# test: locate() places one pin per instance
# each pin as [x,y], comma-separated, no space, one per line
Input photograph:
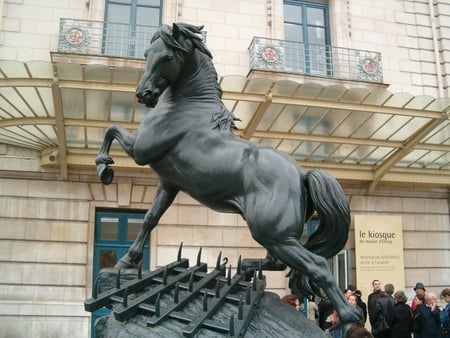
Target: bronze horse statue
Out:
[187,139]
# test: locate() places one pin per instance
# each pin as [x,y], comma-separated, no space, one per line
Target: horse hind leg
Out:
[125,138]
[297,257]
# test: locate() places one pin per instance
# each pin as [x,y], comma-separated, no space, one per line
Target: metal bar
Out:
[104,298]
[192,328]
[197,286]
[122,313]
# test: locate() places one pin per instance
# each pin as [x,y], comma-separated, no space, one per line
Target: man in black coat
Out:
[372,300]
[385,308]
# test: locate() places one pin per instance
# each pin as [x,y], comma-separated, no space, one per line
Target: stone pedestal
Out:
[271,319]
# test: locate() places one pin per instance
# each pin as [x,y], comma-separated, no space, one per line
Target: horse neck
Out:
[198,80]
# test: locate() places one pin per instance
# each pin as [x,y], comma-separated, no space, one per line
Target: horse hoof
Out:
[121,264]
[106,173]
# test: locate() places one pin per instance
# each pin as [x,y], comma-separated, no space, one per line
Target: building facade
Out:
[305,77]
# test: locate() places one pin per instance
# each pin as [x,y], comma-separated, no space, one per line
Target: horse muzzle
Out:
[149,98]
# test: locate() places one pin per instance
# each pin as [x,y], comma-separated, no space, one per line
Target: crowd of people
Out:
[388,312]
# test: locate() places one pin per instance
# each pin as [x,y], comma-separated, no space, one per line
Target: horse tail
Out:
[329,201]
[326,196]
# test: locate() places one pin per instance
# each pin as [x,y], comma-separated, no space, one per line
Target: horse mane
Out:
[223,120]
[193,33]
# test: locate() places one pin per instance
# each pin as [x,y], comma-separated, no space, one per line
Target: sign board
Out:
[379,252]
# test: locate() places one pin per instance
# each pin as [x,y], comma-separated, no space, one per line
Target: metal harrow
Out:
[164,294]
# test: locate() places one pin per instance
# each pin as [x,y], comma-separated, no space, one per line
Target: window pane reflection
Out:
[108,258]
[109,228]
[134,225]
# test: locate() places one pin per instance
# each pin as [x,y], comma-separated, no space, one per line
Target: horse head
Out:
[165,59]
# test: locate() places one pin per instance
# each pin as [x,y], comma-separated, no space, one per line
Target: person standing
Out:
[445,314]
[426,321]
[325,313]
[361,304]
[402,321]
[420,290]
[372,300]
[313,309]
[384,308]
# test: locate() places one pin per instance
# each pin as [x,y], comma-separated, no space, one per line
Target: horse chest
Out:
[157,136]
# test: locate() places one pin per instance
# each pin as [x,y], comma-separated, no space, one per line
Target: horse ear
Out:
[175,31]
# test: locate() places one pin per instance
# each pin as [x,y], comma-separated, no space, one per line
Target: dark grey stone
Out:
[271,319]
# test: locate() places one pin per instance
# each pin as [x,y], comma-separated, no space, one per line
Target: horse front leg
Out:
[163,199]
[125,138]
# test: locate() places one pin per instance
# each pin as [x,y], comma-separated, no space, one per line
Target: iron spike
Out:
[239,266]
[191,281]
[260,274]
[241,308]
[199,256]
[118,279]
[219,258]
[205,301]
[217,288]
[176,293]
[158,305]
[179,252]
[248,294]
[254,281]
[125,298]
[95,288]
[139,276]
[229,276]
[166,273]
[232,325]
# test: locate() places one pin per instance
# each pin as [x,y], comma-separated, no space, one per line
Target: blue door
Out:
[115,231]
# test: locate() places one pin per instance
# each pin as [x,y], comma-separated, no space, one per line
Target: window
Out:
[306,30]
[129,26]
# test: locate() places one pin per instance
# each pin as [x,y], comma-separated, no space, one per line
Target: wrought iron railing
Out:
[104,38]
[315,60]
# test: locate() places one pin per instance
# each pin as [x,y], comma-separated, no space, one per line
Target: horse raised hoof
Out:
[106,173]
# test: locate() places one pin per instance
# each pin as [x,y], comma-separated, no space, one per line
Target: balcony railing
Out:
[315,60]
[104,38]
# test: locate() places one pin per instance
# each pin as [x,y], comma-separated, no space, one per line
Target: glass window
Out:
[306,31]
[292,13]
[109,228]
[315,16]
[129,25]
[134,226]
